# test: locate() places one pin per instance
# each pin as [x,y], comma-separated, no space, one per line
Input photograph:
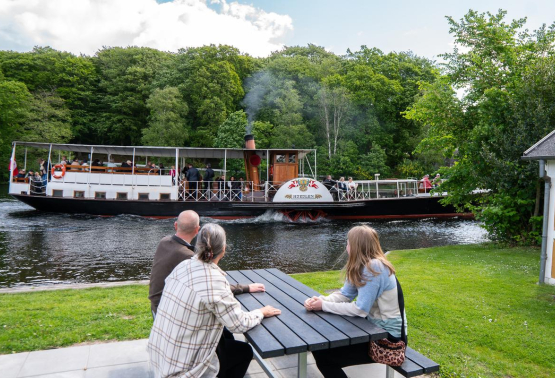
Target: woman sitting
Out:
[370,278]
[186,338]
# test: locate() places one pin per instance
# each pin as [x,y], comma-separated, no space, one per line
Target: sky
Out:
[256,27]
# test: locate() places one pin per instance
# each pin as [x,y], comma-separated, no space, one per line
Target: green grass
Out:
[476,310]
[48,319]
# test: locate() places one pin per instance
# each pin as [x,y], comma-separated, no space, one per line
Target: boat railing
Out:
[218,191]
[374,189]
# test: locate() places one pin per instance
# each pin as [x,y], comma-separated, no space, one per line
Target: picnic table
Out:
[297,331]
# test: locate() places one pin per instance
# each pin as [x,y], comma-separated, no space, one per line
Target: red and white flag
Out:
[13,167]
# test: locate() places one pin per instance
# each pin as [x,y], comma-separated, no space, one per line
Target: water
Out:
[44,248]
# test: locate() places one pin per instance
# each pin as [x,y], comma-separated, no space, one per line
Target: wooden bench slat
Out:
[428,365]
[409,368]
[373,330]
[261,339]
[290,341]
[289,284]
[333,337]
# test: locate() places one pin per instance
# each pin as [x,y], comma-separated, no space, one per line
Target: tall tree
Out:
[167,125]
[505,72]
[125,80]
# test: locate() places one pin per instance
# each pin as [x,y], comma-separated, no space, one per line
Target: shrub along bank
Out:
[476,310]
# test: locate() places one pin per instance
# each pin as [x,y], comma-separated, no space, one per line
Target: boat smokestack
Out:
[249,142]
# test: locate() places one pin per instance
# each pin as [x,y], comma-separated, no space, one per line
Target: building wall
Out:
[550,263]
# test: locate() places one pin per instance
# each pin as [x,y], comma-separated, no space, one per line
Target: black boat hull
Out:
[392,208]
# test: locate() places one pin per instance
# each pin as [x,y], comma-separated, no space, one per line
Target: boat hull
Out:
[387,208]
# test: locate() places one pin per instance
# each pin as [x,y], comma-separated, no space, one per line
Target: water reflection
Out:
[43,248]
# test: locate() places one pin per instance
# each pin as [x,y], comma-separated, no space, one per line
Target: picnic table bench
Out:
[297,331]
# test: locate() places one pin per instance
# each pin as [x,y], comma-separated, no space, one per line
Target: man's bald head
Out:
[187,223]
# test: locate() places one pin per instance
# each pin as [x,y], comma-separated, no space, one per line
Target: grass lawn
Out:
[476,310]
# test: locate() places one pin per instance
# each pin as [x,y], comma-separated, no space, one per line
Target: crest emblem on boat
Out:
[303,184]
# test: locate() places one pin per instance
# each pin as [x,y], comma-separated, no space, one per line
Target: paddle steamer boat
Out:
[280,180]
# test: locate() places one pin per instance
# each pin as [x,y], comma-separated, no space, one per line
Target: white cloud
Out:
[85,26]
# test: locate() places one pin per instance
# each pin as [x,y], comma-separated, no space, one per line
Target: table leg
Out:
[389,372]
[301,365]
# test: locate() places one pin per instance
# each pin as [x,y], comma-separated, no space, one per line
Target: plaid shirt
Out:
[196,304]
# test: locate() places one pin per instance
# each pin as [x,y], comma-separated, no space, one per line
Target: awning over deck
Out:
[185,152]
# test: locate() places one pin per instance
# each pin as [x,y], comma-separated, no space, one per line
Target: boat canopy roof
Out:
[187,152]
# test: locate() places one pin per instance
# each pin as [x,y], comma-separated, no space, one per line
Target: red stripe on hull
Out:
[411,216]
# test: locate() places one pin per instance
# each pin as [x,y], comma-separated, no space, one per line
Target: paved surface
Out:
[129,359]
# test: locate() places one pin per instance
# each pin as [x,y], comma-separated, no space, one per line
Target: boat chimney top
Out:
[249,142]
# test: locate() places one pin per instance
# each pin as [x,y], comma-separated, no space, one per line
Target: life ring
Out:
[63,167]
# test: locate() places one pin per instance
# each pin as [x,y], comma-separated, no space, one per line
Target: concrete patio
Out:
[129,359]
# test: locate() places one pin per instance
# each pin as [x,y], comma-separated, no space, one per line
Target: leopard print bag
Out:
[388,352]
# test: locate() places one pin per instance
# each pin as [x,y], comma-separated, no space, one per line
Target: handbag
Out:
[391,352]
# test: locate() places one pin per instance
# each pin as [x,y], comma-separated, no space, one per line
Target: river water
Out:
[45,248]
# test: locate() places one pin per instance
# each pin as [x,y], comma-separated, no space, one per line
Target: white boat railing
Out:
[218,191]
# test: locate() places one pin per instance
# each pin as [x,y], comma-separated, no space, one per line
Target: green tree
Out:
[505,72]
[125,81]
[167,125]
[48,120]
[14,106]
[231,132]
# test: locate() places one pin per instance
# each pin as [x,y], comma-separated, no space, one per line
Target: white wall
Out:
[550,168]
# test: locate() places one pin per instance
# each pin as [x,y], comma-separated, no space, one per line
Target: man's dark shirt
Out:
[208,174]
[171,251]
[192,174]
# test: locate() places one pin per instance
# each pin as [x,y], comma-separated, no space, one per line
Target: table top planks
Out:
[296,330]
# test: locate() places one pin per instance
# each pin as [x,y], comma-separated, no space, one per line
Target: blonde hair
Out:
[364,246]
[210,242]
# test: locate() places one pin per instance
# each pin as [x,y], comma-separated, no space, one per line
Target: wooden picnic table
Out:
[296,330]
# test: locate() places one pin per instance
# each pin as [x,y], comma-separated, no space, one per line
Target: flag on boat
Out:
[13,167]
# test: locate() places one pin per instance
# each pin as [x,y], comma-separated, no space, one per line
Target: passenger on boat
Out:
[208,177]
[172,174]
[331,184]
[196,305]
[64,160]
[426,184]
[37,183]
[370,291]
[21,174]
[437,181]
[221,187]
[43,169]
[74,162]
[193,177]
[96,163]
[352,188]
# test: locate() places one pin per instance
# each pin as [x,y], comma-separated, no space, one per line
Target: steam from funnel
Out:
[259,85]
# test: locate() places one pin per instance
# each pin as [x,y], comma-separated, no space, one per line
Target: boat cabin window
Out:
[78,194]
[292,158]
[100,195]
[143,196]
[121,195]
[280,158]
[57,193]
[164,196]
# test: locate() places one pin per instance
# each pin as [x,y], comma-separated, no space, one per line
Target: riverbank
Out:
[475,309]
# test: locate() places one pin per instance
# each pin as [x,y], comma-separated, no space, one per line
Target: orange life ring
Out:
[63,167]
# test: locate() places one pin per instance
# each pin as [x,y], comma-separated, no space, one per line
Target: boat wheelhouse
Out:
[282,180]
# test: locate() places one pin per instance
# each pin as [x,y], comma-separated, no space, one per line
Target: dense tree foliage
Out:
[506,73]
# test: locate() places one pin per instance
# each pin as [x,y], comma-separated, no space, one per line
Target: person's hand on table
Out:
[256,287]
[269,311]
[313,304]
